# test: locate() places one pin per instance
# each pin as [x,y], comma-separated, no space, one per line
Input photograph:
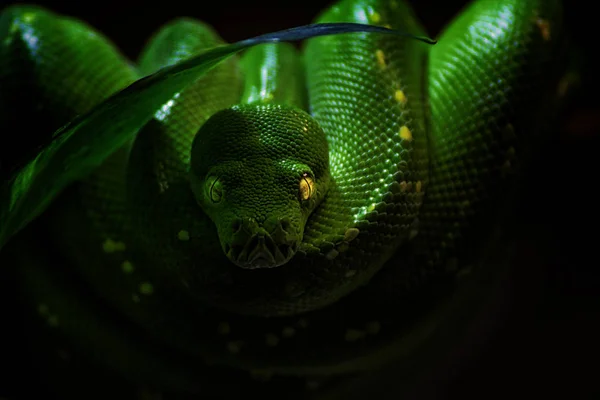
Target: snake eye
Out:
[215,189]
[307,187]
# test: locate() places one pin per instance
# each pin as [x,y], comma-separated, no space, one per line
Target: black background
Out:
[549,344]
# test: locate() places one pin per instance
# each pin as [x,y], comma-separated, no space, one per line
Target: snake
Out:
[295,211]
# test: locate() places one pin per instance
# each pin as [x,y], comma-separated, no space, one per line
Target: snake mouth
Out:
[261,251]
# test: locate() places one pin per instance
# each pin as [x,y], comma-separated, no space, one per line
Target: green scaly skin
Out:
[407,146]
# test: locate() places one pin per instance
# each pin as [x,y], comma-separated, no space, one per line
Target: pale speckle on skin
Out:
[135,298]
[146,288]
[234,347]
[418,186]
[403,186]
[350,273]
[29,17]
[111,246]
[405,133]
[353,335]
[375,17]
[223,328]
[288,332]
[351,234]
[127,267]
[373,327]
[380,55]
[400,96]
[332,254]
[183,235]
[271,340]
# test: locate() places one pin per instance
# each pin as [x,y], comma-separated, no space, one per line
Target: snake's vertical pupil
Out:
[216,190]
[306,187]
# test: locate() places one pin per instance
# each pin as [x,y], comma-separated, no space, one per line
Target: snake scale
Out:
[289,212]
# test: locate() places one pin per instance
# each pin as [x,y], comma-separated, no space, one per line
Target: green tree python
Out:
[290,212]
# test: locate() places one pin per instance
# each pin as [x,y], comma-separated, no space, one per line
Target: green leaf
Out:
[83,144]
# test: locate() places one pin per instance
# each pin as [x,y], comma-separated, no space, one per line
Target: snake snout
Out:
[261,246]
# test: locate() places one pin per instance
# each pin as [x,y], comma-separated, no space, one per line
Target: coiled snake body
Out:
[239,224]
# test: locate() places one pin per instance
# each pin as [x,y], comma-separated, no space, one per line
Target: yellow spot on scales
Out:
[111,246]
[405,133]
[183,235]
[127,267]
[351,234]
[29,17]
[375,17]
[380,57]
[400,97]
[146,288]
[418,186]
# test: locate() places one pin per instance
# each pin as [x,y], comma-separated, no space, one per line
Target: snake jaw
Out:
[261,251]
[252,246]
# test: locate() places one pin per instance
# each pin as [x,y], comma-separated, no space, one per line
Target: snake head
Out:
[258,172]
